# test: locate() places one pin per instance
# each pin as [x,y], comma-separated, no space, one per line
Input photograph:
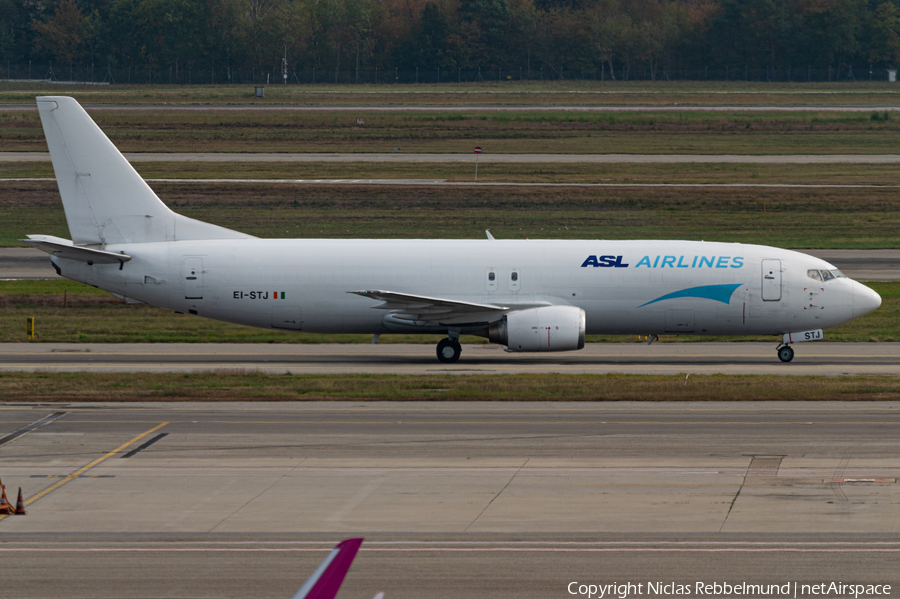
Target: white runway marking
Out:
[445,549]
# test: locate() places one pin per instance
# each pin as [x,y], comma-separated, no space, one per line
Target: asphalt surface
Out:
[454,499]
[818,358]
[483,158]
[862,265]
[426,566]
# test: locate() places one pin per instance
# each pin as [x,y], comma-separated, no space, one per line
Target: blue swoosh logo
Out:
[718,293]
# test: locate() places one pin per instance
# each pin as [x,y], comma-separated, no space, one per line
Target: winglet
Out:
[326,580]
[488,231]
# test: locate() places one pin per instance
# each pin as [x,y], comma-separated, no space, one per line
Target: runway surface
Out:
[455,499]
[818,358]
[862,265]
[483,158]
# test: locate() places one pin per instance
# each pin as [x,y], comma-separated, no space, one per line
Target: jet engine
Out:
[551,328]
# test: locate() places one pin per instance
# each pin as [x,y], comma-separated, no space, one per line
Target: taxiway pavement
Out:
[818,358]
[455,499]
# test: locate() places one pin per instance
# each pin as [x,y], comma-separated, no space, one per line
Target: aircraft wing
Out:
[326,580]
[421,307]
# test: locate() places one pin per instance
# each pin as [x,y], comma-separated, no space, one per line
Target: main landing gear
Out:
[448,350]
[785,353]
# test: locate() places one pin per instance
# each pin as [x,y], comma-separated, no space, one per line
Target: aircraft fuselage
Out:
[629,287]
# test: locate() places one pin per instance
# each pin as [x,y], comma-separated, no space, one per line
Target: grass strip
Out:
[576,132]
[93,316]
[780,217]
[238,385]
[568,92]
[604,173]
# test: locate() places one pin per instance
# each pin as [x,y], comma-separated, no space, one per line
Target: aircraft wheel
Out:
[786,353]
[448,351]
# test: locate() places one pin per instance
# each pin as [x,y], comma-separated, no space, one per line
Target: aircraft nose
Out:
[864,300]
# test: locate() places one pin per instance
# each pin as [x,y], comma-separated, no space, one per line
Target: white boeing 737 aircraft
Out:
[529,295]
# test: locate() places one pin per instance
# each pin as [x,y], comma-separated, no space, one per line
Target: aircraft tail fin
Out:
[326,580]
[105,199]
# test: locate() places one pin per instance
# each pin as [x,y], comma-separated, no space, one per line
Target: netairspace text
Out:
[790,590]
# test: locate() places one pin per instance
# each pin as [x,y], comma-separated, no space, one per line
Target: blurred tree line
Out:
[526,36]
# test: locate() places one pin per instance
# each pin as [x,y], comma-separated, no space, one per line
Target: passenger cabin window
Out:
[490,282]
[514,281]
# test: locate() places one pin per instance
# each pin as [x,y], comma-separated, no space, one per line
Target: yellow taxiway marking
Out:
[84,469]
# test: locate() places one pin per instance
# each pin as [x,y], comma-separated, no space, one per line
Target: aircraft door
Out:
[771,280]
[193,278]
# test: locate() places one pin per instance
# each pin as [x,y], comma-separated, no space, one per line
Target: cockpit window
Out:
[824,275]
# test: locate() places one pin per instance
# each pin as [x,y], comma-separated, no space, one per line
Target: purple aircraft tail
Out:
[326,580]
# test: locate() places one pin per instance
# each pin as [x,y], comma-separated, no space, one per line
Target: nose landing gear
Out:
[785,353]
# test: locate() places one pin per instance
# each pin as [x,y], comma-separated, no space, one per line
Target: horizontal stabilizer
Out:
[64,248]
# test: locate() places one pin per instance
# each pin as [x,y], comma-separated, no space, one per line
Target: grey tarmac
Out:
[746,358]
[862,265]
[455,499]
[483,158]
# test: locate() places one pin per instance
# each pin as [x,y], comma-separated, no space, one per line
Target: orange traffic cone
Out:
[5,508]
[20,505]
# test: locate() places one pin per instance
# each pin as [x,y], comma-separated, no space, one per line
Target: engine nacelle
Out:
[551,328]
